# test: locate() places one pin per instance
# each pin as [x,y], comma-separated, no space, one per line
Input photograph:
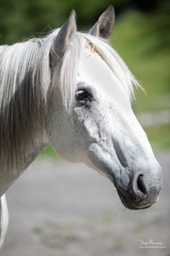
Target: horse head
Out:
[90,118]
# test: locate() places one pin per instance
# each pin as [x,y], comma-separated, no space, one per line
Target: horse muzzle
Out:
[142,191]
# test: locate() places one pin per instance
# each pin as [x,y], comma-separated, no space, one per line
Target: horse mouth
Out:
[132,204]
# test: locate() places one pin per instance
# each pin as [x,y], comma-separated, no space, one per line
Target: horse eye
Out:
[83,96]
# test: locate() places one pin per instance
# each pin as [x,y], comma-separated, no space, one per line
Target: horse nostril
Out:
[141,184]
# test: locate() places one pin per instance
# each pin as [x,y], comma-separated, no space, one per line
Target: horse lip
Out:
[132,204]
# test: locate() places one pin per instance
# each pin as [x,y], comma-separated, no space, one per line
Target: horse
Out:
[74,91]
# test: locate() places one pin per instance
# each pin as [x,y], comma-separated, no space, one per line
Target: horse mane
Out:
[21,101]
[25,86]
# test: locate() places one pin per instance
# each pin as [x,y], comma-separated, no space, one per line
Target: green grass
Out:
[137,39]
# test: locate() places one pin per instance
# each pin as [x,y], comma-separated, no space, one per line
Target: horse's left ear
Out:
[104,26]
[64,37]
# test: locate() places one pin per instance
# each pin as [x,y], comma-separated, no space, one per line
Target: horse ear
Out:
[63,38]
[104,26]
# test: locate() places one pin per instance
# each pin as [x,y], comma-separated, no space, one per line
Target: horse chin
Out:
[130,204]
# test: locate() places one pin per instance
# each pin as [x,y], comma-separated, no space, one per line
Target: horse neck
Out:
[8,174]
[17,153]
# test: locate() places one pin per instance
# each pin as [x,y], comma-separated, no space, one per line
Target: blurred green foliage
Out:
[147,54]
[143,40]
[21,19]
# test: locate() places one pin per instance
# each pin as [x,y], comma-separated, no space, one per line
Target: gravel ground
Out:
[64,209]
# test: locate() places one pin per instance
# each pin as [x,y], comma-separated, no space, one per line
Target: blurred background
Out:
[65,209]
[141,36]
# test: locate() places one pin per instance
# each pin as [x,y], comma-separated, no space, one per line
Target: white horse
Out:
[74,91]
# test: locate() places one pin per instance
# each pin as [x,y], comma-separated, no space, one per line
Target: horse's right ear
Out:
[63,39]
